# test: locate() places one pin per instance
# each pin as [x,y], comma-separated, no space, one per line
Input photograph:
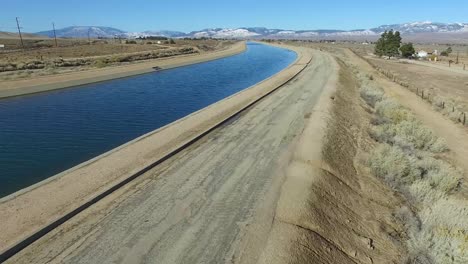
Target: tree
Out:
[394,42]
[407,50]
[446,52]
[380,45]
[388,44]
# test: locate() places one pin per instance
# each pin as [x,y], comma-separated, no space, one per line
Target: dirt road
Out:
[211,203]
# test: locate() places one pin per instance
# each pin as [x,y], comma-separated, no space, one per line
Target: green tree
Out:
[407,50]
[380,45]
[446,52]
[388,44]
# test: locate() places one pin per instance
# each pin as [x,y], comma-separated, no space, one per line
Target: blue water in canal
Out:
[44,134]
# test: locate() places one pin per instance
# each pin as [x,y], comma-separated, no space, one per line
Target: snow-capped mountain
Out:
[423,27]
[83,32]
[409,29]
[150,33]
[405,29]
[224,33]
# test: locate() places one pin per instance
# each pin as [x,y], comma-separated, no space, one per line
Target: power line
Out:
[19,31]
[55,35]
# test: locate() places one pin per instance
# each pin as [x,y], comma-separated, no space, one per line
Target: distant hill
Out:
[10,35]
[416,31]
[83,31]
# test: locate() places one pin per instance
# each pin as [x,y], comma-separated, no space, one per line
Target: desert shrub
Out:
[443,176]
[408,218]
[437,231]
[393,165]
[130,42]
[444,233]
[421,194]
[420,257]
[420,137]
[101,63]
[392,110]
[371,95]
[408,135]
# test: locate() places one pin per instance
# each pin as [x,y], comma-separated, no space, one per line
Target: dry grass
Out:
[437,227]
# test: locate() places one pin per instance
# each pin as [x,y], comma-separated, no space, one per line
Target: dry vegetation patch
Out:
[407,159]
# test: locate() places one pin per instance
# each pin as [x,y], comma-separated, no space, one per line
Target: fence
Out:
[424,94]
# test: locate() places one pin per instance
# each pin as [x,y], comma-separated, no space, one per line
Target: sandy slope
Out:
[59,81]
[196,206]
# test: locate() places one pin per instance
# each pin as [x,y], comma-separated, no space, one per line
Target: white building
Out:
[422,54]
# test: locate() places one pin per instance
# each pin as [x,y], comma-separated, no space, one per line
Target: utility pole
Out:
[55,35]
[89,39]
[19,31]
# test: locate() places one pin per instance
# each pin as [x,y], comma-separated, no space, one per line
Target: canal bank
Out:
[60,81]
[30,213]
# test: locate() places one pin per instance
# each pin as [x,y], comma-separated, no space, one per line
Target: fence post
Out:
[443,105]
[464,118]
[422,94]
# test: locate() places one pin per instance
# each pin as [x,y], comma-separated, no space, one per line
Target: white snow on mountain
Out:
[259,32]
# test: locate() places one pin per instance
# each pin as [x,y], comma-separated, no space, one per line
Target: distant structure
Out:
[2,46]
[422,54]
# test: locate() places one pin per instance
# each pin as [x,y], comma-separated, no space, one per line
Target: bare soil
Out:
[434,81]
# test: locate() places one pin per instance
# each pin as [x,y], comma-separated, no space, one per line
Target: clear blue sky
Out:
[189,15]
